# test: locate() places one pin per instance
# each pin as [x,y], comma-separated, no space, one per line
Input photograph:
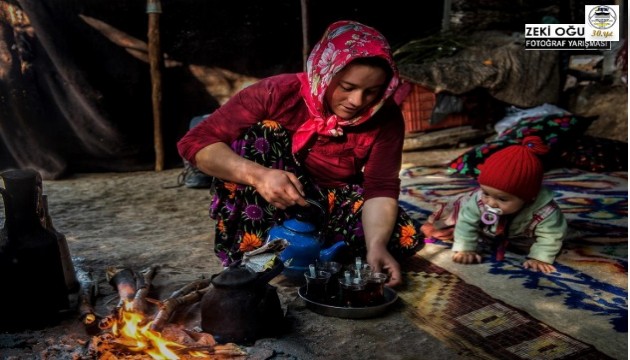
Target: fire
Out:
[134,332]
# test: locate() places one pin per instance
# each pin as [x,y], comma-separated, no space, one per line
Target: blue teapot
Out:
[305,246]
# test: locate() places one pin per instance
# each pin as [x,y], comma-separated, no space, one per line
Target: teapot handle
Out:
[322,211]
[300,214]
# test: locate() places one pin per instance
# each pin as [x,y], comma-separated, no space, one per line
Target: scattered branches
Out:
[143,284]
[187,295]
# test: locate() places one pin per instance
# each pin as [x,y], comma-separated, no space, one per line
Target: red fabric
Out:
[516,170]
[374,146]
[342,42]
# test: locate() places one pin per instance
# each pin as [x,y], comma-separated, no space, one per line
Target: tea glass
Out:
[352,291]
[375,289]
[359,266]
[334,268]
[366,270]
[317,284]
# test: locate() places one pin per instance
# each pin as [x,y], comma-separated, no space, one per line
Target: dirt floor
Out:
[138,220]
[141,219]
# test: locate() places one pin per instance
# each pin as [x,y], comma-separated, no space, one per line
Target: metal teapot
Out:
[241,306]
[305,245]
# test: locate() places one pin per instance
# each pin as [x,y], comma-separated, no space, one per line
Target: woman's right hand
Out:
[466,257]
[280,188]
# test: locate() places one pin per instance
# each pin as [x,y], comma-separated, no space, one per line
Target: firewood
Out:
[207,348]
[88,290]
[168,306]
[230,350]
[195,285]
[200,338]
[124,281]
[108,321]
[143,285]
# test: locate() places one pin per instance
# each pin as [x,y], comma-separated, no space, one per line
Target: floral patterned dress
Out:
[244,217]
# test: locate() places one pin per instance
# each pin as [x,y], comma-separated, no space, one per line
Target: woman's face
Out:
[508,203]
[354,89]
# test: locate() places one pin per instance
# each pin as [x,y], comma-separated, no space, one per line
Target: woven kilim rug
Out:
[478,325]
[499,310]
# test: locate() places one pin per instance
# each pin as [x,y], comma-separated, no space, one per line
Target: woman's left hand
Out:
[538,265]
[382,261]
[379,218]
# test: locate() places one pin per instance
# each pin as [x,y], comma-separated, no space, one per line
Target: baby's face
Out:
[508,203]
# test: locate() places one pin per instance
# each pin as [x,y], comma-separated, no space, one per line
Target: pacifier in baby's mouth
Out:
[490,215]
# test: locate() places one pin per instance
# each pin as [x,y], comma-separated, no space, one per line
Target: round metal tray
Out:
[350,312]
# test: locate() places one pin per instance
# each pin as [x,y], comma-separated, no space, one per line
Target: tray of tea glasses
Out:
[335,310]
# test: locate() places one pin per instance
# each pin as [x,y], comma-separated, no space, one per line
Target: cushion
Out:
[559,131]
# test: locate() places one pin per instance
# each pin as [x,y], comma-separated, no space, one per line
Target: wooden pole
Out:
[154,9]
[305,43]
[446,16]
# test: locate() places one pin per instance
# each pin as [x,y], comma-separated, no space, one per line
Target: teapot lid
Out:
[298,225]
[234,277]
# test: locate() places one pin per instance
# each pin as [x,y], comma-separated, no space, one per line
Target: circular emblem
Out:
[602,17]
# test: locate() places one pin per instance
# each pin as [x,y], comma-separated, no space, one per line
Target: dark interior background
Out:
[73,101]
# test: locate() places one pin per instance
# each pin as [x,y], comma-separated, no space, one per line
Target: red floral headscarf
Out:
[342,42]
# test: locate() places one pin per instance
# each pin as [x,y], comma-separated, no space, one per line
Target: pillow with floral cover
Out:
[559,131]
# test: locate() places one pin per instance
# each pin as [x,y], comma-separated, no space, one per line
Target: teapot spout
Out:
[329,253]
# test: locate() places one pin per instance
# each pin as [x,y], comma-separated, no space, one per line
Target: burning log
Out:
[173,343]
[229,350]
[88,290]
[195,285]
[132,333]
[143,284]
[187,295]
[124,281]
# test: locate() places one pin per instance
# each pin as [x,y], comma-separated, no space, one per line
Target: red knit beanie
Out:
[516,170]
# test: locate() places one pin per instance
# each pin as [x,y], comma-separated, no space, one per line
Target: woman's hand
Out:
[466,257]
[379,217]
[382,261]
[537,265]
[280,188]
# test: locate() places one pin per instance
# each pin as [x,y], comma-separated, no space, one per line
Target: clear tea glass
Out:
[352,291]
[334,268]
[375,289]
[317,285]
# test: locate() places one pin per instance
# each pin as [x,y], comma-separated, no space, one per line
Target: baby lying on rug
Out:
[510,210]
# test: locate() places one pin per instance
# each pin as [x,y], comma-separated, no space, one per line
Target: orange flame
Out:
[131,332]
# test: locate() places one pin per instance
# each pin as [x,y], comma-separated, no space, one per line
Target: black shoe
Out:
[193,178]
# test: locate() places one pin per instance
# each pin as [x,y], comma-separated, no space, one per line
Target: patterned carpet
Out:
[498,310]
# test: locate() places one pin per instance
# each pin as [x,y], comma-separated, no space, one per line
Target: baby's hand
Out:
[466,257]
[537,265]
